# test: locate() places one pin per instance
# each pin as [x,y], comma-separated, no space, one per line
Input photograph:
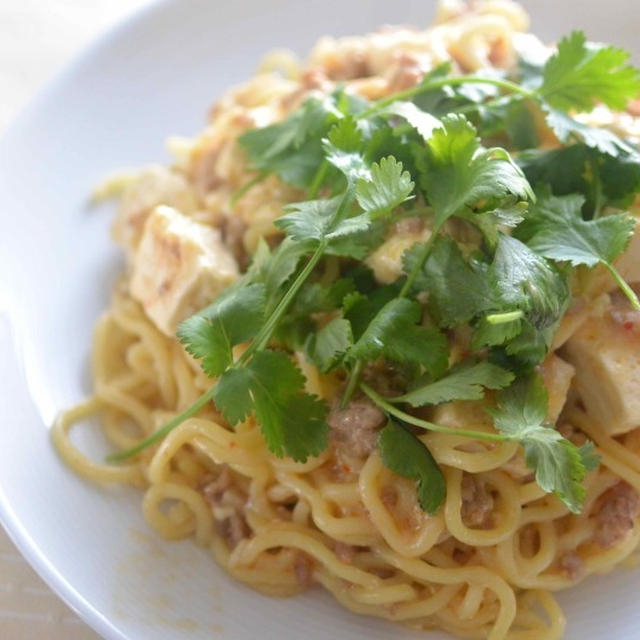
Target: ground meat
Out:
[389,497]
[213,489]
[411,225]
[315,78]
[571,433]
[571,564]
[347,66]
[618,508]
[303,569]
[344,552]
[387,378]
[477,503]
[354,429]
[462,554]
[406,73]
[234,529]
[622,314]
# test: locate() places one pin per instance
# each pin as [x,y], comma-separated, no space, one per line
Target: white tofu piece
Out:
[556,376]
[180,267]
[598,280]
[572,320]
[463,414]
[386,260]
[628,264]
[154,186]
[606,355]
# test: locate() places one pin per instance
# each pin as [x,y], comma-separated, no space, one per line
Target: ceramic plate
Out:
[152,76]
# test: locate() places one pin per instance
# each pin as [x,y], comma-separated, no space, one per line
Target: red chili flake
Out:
[346,469]
[628,325]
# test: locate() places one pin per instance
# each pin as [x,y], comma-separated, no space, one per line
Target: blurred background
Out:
[38,36]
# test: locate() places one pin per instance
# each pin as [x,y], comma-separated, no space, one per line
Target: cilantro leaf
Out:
[274,268]
[517,280]
[519,125]
[318,297]
[292,148]
[486,334]
[562,170]
[465,381]
[456,172]
[457,291]
[388,187]
[620,178]
[444,99]
[298,326]
[361,308]
[406,455]
[507,214]
[343,148]
[326,347]
[530,346]
[315,221]
[394,334]
[234,317]
[580,73]
[610,179]
[557,230]
[525,281]
[270,385]
[559,465]
[424,123]
[600,138]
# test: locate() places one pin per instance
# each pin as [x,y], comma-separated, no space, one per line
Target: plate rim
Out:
[9,520]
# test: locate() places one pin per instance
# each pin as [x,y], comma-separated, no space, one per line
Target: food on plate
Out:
[379,328]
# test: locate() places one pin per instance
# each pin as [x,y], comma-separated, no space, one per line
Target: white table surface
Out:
[36,38]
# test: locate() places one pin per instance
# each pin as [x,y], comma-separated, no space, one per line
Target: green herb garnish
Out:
[424,152]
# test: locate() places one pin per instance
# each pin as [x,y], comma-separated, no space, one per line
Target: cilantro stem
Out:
[246,186]
[598,199]
[511,87]
[354,379]
[503,318]
[624,287]
[489,104]
[318,179]
[406,287]
[164,430]
[264,335]
[429,426]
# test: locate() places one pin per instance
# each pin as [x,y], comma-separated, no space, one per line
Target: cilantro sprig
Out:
[425,152]
[558,464]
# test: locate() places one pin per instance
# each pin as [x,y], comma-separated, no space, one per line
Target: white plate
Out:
[150,77]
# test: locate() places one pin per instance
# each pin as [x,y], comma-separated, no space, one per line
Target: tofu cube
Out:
[628,264]
[153,186]
[180,267]
[556,376]
[386,260]
[606,355]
